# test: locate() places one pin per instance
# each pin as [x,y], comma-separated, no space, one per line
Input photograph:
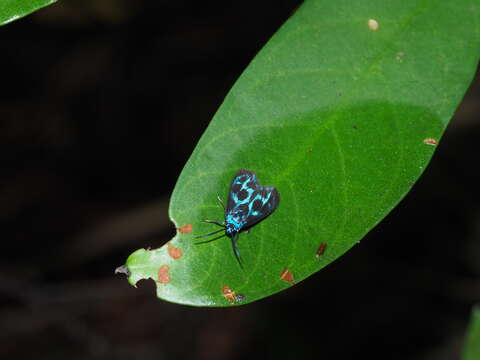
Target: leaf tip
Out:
[122,270]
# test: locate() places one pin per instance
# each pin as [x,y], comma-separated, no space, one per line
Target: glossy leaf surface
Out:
[342,117]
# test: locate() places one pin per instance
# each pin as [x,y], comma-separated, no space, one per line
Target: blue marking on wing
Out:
[248,202]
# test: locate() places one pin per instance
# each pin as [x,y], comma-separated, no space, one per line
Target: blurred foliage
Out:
[472,345]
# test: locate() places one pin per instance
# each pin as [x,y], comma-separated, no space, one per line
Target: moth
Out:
[248,203]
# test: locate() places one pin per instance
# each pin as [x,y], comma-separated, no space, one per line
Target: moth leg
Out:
[207,241]
[221,202]
[214,222]
[207,235]
[235,249]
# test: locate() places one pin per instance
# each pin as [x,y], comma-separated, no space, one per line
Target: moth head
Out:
[230,229]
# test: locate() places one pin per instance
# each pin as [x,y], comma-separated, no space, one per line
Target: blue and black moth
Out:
[248,203]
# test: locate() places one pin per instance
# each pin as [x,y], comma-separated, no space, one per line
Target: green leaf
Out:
[341,118]
[472,346]
[11,10]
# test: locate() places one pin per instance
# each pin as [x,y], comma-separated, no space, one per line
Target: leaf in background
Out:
[472,346]
[341,112]
[11,10]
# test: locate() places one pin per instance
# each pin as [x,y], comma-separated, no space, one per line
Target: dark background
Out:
[101,103]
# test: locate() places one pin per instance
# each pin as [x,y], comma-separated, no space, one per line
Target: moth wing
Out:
[243,186]
[263,202]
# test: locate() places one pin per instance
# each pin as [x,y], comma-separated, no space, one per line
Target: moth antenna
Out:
[221,202]
[207,235]
[235,249]
[214,222]
[207,241]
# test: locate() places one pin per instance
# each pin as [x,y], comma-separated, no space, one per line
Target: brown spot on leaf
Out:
[229,294]
[286,275]
[174,252]
[430,141]
[163,276]
[321,249]
[185,229]
[310,150]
